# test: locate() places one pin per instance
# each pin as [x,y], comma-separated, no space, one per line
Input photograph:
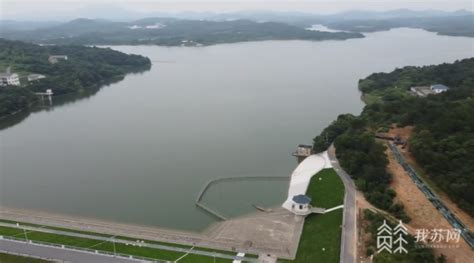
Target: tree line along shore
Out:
[442,141]
[81,69]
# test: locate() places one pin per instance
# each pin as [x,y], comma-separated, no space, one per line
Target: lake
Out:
[140,150]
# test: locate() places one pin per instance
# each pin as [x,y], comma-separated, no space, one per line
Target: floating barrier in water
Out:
[203,191]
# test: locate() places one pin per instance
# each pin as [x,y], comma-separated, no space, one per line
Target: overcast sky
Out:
[21,9]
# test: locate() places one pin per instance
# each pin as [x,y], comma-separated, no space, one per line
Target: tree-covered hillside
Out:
[85,68]
[169,32]
[443,25]
[443,139]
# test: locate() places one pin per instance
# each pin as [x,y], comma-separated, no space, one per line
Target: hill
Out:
[168,32]
[85,69]
[460,25]
[443,138]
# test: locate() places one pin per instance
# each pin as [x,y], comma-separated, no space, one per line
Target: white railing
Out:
[85,250]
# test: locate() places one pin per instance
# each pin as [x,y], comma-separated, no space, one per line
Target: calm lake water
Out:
[140,150]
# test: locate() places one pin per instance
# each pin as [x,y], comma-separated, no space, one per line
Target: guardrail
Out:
[85,250]
[26,255]
[434,199]
[121,241]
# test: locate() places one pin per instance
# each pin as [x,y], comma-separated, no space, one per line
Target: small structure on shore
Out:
[49,93]
[301,205]
[397,139]
[302,151]
[9,79]
[33,77]
[439,88]
[423,91]
[53,59]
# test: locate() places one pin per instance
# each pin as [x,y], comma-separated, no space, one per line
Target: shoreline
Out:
[228,236]
[79,223]
[92,88]
[277,232]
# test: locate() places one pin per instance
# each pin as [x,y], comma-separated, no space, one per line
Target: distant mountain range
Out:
[116,13]
[194,28]
[462,25]
[167,31]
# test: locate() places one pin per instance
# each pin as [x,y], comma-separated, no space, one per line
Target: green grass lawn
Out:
[320,240]
[7,258]
[321,237]
[108,246]
[118,237]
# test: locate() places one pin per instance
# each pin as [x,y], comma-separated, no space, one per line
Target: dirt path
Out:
[423,214]
[405,134]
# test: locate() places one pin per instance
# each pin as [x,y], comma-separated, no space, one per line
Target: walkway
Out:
[273,232]
[277,232]
[59,254]
[301,176]
[349,222]
[120,241]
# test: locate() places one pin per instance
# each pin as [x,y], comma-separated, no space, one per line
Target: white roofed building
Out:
[53,59]
[33,77]
[439,88]
[9,79]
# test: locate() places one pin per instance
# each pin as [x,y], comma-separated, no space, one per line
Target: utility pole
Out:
[26,236]
[115,251]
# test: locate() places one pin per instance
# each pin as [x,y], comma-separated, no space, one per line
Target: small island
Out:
[27,69]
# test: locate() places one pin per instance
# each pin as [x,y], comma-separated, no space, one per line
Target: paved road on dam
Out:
[349,231]
[59,254]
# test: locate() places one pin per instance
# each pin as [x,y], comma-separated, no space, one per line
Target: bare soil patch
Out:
[405,134]
[423,214]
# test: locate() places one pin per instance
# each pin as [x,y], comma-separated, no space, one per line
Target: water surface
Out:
[140,150]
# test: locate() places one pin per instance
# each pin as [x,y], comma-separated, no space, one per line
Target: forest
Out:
[169,32]
[444,25]
[85,69]
[443,138]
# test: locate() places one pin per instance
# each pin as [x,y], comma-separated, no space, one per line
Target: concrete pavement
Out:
[276,233]
[59,254]
[349,222]
[301,176]
[102,239]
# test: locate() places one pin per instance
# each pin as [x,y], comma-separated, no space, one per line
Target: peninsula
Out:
[30,68]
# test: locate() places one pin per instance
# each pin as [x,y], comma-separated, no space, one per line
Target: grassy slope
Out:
[106,246]
[118,237]
[322,231]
